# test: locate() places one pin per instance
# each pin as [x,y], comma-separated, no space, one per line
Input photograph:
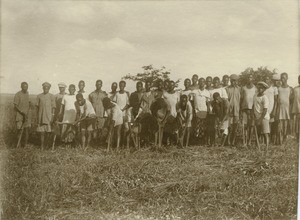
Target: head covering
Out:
[46,84]
[62,85]
[276,76]
[263,84]
[234,77]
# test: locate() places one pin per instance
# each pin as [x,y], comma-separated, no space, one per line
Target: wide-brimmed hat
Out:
[62,85]
[265,85]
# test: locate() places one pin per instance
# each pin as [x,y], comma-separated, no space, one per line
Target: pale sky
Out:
[68,41]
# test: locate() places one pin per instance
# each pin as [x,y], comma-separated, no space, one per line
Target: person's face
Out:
[284,78]
[250,78]
[171,86]
[139,87]
[81,85]
[267,80]
[80,101]
[62,89]
[46,89]
[166,85]
[160,85]
[114,87]
[201,83]
[72,90]
[195,79]
[233,82]
[216,82]
[24,87]
[208,82]
[183,101]
[277,83]
[225,81]
[122,86]
[187,83]
[261,89]
[98,85]
[148,86]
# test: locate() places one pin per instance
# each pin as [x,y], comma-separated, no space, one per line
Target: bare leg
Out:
[83,138]
[42,140]
[89,137]
[26,137]
[267,142]
[188,136]
[118,129]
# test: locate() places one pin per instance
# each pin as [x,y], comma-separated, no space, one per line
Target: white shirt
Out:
[70,110]
[270,93]
[172,100]
[200,99]
[122,100]
[222,91]
[87,109]
[259,104]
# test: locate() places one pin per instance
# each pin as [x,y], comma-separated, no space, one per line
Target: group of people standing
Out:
[205,108]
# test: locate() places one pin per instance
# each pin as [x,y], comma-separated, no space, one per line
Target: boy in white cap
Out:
[45,113]
[58,97]
[260,112]
[272,95]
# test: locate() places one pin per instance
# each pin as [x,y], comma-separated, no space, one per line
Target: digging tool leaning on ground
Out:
[25,119]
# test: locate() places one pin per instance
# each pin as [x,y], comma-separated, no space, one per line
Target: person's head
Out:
[195,79]
[250,78]
[107,103]
[160,84]
[166,85]
[299,79]
[234,79]
[114,86]
[225,80]
[122,85]
[276,80]
[201,83]
[183,100]
[268,79]
[261,87]
[208,81]
[72,89]
[216,82]
[187,83]
[171,85]
[98,84]
[148,86]
[139,86]
[80,99]
[284,77]
[24,86]
[46,87]
[217,97]
[81,85]
[62,87]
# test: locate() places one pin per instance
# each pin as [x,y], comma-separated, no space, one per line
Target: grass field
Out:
[191,183]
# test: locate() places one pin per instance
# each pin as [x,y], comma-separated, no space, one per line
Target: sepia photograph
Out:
[149,110]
